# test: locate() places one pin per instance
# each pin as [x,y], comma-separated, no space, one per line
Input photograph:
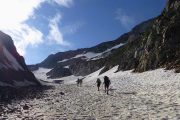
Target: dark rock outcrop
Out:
[13,70]
[59,71]
[52,60]
[33,67]
[158,46]
[161,44]
[86,67]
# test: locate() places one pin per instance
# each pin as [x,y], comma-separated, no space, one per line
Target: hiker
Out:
[78,81]
[98,83]
[107,82]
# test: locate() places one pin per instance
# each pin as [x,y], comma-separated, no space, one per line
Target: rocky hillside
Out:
[161,44]
[87,60]
[158,46]
[13,70]
[150,45]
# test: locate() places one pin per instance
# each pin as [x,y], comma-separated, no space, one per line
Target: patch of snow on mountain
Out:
[66,66]
[70,79]
[106,52]
[95,56]
[41,73]
[122,79]
[88,55]
[92,76]
[63,60]
[115,47]
[92,55]
[13,62]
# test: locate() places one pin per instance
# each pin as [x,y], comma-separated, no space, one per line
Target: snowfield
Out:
[93,56]
[151,95]
[40,74]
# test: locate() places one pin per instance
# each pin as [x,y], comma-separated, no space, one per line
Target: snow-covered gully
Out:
[133,96]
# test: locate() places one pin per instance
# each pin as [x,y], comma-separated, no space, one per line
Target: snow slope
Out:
[41,75]
[123,78]
[150,77]
[152,95]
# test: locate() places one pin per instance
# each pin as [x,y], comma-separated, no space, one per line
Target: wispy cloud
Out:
[15,13]
[55,35]
[65,3]
[126,20]
[72,28]
[24,36]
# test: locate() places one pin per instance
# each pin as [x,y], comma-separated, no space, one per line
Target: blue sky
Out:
[42,27]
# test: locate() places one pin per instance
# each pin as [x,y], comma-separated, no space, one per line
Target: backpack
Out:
[98,80]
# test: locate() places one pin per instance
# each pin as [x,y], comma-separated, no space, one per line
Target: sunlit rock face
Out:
[161,44]
[157,47]
[13,70]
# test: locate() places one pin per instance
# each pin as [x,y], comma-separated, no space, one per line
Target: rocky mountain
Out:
[13,70]
[87,60]
[161,43]
[150,45]
[158,46]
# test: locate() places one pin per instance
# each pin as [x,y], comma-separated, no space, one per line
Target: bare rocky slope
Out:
[13,70]
[161,43]
[158,46]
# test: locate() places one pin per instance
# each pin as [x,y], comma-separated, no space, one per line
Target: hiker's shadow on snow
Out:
[7,94]
[58,81]
[128,93]
[112,89]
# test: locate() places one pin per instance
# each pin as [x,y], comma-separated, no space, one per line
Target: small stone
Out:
[25,107]
[61,93]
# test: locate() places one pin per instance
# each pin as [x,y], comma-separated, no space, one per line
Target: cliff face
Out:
[161,44]
[158,46]
[13,70]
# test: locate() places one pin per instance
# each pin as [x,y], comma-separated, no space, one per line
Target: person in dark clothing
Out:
[79,82]
[107,82]
[98,83]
